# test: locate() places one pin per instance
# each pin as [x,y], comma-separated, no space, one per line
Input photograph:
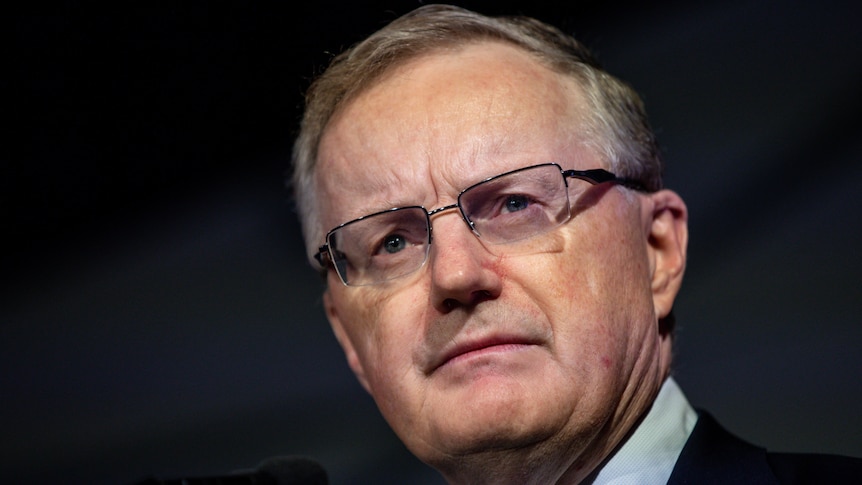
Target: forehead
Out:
[441,122]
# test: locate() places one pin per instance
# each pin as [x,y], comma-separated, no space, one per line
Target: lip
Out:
[481,346]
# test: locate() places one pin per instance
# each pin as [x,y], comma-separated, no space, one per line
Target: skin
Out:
[499,364]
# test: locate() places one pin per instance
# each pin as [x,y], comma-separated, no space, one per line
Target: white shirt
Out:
[650,453]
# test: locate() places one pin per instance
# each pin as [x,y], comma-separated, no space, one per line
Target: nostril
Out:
[475,298]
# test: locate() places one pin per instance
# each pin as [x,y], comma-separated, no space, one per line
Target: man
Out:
[501,259]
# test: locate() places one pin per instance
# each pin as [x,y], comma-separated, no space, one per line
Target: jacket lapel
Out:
[712,455]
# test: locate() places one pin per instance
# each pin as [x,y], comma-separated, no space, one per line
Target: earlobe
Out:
[668,243]
[344,340]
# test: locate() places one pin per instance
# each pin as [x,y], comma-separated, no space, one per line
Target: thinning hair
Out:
[615,124]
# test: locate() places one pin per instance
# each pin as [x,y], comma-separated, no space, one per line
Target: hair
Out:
[616,125]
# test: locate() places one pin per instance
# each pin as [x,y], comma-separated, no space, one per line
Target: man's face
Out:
[487,347]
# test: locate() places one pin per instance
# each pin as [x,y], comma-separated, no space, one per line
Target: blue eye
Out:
[394,243]
[515,203]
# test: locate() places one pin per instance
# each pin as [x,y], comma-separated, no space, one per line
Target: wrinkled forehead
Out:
[441,122]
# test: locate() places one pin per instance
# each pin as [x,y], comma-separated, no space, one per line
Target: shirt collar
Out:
[649,454]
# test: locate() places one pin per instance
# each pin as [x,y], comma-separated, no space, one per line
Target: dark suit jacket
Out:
[712,455]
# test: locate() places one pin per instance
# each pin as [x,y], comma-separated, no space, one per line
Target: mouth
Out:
[481,347]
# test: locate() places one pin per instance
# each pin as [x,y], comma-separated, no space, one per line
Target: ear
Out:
[344,340]
[668,243]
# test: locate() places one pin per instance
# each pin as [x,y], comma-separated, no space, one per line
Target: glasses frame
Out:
[595,176]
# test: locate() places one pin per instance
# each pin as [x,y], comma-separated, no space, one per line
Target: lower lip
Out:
[485,351]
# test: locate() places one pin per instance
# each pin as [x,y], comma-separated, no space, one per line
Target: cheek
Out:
[611,254]
[383,329]
[592,285]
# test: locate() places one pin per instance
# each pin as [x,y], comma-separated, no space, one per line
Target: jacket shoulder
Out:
[714,455]
[792,468]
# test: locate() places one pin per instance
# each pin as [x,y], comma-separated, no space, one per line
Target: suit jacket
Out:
[712,455]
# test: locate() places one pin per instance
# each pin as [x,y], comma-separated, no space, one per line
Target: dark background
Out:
[158,316]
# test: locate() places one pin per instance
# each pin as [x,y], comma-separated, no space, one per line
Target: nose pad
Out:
[470,224]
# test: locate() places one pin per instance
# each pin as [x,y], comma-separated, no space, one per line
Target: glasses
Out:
[510,207]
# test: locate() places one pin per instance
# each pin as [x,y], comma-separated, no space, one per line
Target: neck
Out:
[554,460]
[524,466]
[545,462]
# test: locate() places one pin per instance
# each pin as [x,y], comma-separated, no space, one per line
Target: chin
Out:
[494,419]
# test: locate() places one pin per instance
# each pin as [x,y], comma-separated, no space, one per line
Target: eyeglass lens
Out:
[503,209]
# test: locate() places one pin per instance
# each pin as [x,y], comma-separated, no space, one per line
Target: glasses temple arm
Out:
[599,176]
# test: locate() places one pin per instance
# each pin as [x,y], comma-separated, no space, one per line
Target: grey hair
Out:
[616,124]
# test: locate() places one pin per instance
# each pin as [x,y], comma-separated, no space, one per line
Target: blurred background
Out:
[157,316]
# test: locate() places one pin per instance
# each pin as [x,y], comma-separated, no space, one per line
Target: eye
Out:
[393,243]
[515,203]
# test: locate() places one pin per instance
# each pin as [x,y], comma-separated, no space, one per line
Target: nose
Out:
[463,272]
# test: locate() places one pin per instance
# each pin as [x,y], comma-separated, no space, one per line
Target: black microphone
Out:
[283,470]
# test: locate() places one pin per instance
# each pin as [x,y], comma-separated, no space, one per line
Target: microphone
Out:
[284,470]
